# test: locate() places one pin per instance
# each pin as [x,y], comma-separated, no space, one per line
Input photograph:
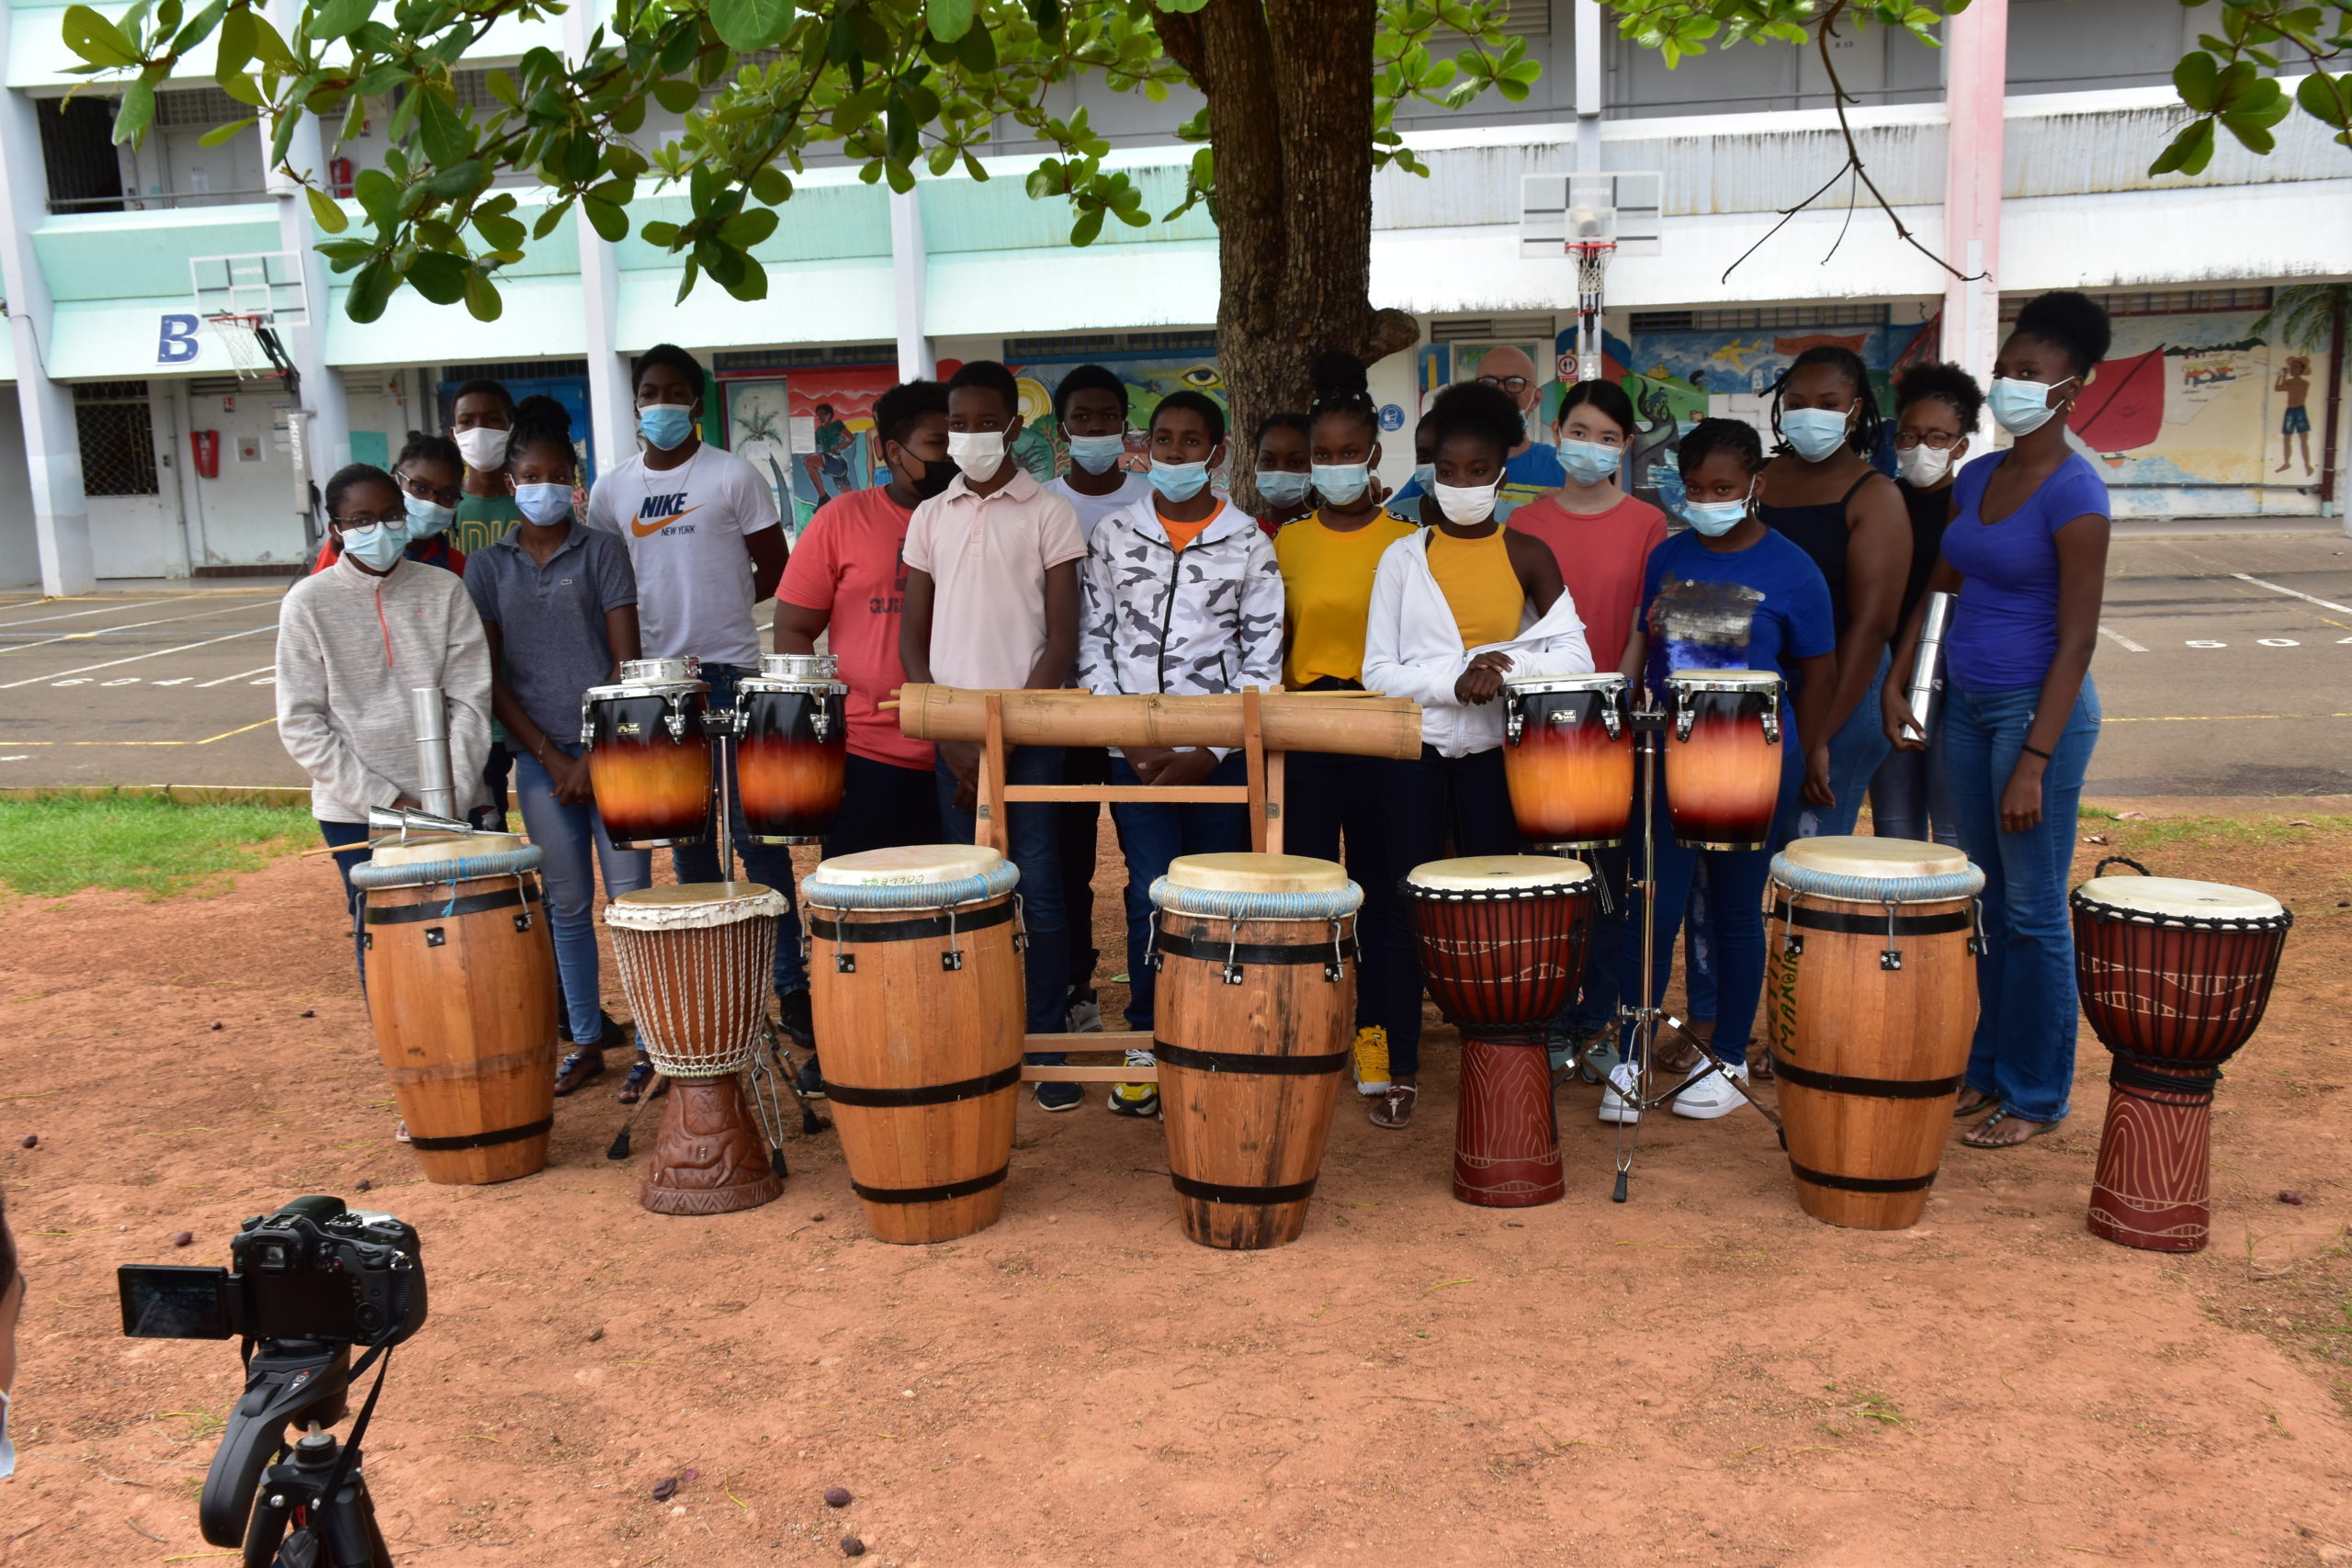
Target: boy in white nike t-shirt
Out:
[702,539]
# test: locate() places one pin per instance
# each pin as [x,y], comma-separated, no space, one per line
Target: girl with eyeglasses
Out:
[430,476]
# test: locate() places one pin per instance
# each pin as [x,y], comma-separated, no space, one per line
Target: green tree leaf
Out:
[372,288]
[338,19]
[948,20]
[97,39]
[439,277]
[325,211]
[137,108]
[447,138]
[2198,80]
[483,302]
[747,26]
[2327,98]
[229,132]
[609,222]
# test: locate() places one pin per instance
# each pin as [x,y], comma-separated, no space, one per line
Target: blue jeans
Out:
[884,806]
[1035,833]
[1731,927]
[1911,793]
[768,864]
[1432,808]
[1150,836]
[566,832]
[1699,954]
[355,834]
[1328,797]
[1855,752]
[2024,1052]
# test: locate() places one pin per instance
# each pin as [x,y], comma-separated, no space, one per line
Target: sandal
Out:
[1962,1109]
[583,1067]
[399,1130]
[640,1073]
[1976,1137]
[1394,1108]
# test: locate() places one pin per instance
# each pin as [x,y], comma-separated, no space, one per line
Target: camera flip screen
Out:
[162,1300]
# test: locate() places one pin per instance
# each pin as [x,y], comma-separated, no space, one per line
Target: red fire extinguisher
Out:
[206,446]
[339,174]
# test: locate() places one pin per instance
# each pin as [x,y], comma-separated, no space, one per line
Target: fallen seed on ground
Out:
[853,1547]
[184,1238]
[838,1497]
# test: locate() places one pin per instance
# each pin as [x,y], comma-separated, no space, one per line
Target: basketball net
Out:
[1592,267]
[239,333]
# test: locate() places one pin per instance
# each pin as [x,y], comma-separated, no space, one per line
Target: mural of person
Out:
[829,463]
[2295,381]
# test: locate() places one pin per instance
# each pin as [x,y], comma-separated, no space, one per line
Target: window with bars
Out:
[77,153]
[1780,318]
[2161,301]
[198,108]
[756,359]
[118,439]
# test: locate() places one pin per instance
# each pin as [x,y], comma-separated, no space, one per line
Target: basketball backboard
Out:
[265,284]
[1559,210]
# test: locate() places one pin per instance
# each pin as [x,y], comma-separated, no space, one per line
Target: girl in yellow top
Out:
[1327,559]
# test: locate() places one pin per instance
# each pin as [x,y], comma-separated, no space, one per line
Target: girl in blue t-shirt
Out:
[1728,594]
[2025,550]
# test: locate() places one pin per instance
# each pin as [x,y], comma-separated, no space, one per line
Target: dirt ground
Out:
[1702,1376]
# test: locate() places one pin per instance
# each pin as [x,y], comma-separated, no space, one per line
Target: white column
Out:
[325,442]
[1976,44]
[916,360]
[1589,41]
[612,403]
[52,443]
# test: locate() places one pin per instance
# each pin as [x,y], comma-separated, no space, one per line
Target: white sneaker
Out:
[1616,1097]
[1085,1017]
[1713,1095]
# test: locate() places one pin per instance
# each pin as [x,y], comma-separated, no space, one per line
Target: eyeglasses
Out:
[368,520]
[1934,440]
[423,492]
[1515,385]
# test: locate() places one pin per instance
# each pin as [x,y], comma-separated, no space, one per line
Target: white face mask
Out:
[1467,504]
[979,453]
[1923,465]
[2021,407]
[484,450]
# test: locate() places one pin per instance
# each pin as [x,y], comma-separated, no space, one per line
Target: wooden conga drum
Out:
[2174,977]
[1724,757]
[461,989]
[918,997]
[695,961]
[1502,945]
[649,755]
[1256,962]
[1870,1000]
[1569,759]
[791,747]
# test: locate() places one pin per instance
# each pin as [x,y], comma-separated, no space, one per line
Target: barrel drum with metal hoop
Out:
[461,989]
[1256,957]
[1724,757]
[649,755]
[695,961]
[2174,977]
[915,977]
[791,747]
[1569,759]
[1502,945]
[1870,1003]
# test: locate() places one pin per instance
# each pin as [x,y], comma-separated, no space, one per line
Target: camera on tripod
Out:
[309,1283]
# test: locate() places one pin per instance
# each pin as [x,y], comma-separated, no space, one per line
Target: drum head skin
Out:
[2171,897]
[693,904]
[1725,680]
[912,865]
[1501,874]
[430,847]
[1848,855]
[1257,873]
[1607,681]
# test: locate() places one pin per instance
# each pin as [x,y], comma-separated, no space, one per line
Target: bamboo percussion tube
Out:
[1290,721]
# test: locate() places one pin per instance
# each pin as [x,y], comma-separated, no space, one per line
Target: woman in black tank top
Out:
[1823,494]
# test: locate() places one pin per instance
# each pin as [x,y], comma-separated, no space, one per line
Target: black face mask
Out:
[928,480]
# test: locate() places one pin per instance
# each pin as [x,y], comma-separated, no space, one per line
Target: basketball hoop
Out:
[239,333]
[1590,218]
[1592,269]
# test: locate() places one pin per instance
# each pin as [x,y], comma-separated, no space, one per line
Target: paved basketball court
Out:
[2224,667]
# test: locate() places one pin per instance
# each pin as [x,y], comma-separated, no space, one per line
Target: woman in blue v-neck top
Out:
[2025,551]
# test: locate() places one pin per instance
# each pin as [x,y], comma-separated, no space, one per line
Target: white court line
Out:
[2294,593]
[57,674]
[110,631]
[105,610]
[256,670]
[2130,647]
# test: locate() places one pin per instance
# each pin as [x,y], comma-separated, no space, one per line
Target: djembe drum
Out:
[649,755]
[461,989]
[1569,759]
[1256,962]
[1870,998]
[1723,757]
[791,747]
[916,983]
[2174,977]
[1502,945]
[695,961]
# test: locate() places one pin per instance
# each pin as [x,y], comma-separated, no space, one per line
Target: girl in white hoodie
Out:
[1455,608]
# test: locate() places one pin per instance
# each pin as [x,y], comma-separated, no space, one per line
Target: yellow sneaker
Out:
[1136,1099]
[1372,1061]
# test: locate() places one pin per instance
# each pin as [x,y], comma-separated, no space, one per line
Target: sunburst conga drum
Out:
[695,961]
[791,747]
[916,983]
[461,990]
[1870,1003]
[2174,977]
[1502,943]
[1569,759]
[648,756]
[1256,962]
[1723,757]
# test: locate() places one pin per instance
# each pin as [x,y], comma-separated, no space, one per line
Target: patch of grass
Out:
[61,845]
[2266,831]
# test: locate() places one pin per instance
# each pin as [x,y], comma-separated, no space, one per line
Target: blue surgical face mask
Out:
[2021,407]
[1281,486]
[1716,518]
[1095,454]
[1815,434]
[1341,484]
[1425,476]
[1589,462]
[426,518]
[544,504]
[666,425]
[377,548]
[1177,482]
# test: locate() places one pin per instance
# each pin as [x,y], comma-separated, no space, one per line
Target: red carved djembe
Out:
[1502,942]
[2174,977]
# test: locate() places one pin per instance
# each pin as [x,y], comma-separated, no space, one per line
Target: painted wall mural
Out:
[1045,451]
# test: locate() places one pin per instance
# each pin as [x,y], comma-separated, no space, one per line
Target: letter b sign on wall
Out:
[176,342]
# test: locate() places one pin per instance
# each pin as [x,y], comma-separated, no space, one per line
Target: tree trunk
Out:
[1289,89]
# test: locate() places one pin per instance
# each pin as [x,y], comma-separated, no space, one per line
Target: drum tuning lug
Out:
[844,962]
[1232,975]
[1891,959]
[522,922]
[1514,724]
[821,724]
[952,961]
[1612,722]
[1333,973]
[1683,719]
[1793,945]
[1772,725]
[436,937]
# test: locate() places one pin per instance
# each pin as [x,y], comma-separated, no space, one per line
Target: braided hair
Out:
[539,420]
[1342,388]
[1864,437]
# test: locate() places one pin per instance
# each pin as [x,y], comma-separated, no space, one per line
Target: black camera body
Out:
[314,1269]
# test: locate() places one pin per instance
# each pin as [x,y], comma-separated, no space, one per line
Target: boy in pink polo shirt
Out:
[991,603]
